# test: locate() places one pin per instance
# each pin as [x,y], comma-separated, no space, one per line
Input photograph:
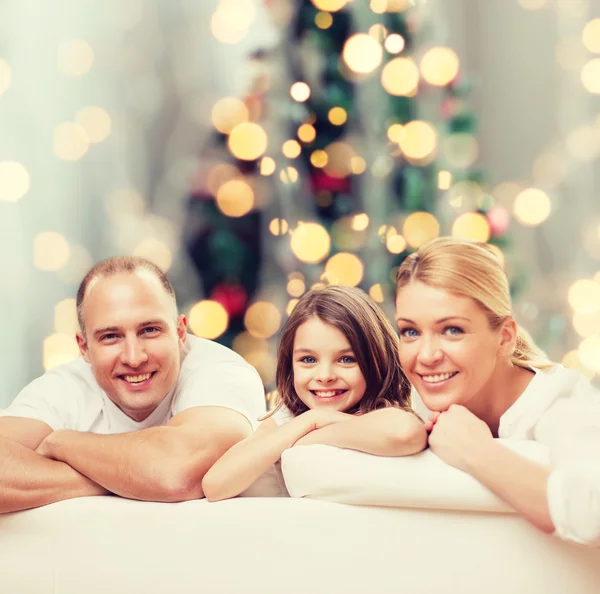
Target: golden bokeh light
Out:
[362,53]
[570,53]
[65,317]
[295,287]
[572,361]
[227,113]
[376,293]
[75,57]
[156,251]
[96,123]
[79,262]
[378,6]
[400,77]
[590,76]
[278,227]
[419,140]
[337,116]
[323,20]
[357,165]
[235,198]
[532,207]
[219,174]
[58,349]
[394,43]
[232,19]
[419,228]
[439,66]
[330,5]
[14,181]
[378,31]
[262,319]
[289,308]
[5,76]
[247,141]
[291,149]
[267,166]
[339,159]
[395,243]
[584,143]
[461,150]
[307,133]
[395,132]
[245,343]
[589,353]
[208,319]
[289,175]
[50,251]
[472,225]
[310,242]
[360,221]
[71,141]
[444,180]
[344,269]
[584,296]
[591,36]
[319,158]
[300,92]
[586,323]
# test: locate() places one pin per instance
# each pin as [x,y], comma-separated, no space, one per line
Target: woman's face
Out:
[447,348]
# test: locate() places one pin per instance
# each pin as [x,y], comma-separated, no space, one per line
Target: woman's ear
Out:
[508,336]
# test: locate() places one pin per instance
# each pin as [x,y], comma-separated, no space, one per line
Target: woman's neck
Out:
[502,390]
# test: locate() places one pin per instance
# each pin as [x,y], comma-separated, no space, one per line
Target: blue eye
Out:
[307,359]
[348,360]
[453,331]
[150,330]
[408,333]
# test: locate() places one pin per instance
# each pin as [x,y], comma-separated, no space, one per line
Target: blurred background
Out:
[256,148]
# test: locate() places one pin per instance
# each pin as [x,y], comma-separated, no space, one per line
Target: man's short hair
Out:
[118,265]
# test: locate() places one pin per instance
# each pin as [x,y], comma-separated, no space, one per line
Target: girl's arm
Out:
[247,460]
[383,432]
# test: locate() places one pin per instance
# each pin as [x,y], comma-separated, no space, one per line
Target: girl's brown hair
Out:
[371,336]
[471,269]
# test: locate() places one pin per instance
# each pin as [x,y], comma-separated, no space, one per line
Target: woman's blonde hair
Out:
[471,269]
[372,338]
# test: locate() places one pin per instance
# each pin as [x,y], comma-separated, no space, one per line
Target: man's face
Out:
[133,340]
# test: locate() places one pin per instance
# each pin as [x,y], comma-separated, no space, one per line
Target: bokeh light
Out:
[444,179]
[337,116]
[5,76]
[376,293]
[587,323]
[532,207]
[419,140]
[395,132]
[208,319]
[419,228]
[71,141]
[400,77]
[59,349]
[75,57]
[227,113]
[590,76]
[247,141]
[360,221]
[584,143]
[289,175]
[262,319]
[96,123]
[394,43]
[291,149]
[344,269]
[395,243]
[220,174]
[323,20]
[589,353]
[362,53]
[472,225]
[319,158]
[295,287]
[156,251]
[232,19]
[310,242]
[591,36]
[289,308]
[50,251]
[14,181]
[278,227]
[65,317]
[235,198]
[439,66]
[339,159]
[267,166]
[461,150]
[584,296]
[330,5]
[307,133]
[300,92]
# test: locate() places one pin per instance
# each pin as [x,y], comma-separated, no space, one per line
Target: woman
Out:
[483,377]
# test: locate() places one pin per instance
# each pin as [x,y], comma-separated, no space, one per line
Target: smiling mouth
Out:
[436,378]
[137,379]
[327,393]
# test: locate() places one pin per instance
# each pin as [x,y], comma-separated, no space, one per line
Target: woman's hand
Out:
[457,436]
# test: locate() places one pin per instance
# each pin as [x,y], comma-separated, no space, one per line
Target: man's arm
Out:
[155,464]
[29,480]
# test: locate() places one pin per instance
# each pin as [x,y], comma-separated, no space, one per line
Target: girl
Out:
[339,384]
[483,377]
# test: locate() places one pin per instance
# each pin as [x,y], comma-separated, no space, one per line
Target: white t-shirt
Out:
[561,410]
[68,396]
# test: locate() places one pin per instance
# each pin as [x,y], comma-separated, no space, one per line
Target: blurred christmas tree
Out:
[355,146]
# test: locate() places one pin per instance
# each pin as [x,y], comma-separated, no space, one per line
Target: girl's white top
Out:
[561,409]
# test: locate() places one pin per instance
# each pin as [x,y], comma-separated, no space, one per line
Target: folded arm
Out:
[29,480]
[155,464]
[384,432]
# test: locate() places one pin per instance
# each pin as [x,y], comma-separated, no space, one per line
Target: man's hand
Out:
[458,436]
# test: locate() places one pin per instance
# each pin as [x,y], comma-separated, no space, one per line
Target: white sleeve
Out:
[231,384]
[573,489]
[45,399]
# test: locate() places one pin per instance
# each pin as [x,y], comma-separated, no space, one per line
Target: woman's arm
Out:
[242,464]
[383,432]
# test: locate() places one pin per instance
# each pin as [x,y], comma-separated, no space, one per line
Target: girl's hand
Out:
[321,417]
[432,421]
[457,436]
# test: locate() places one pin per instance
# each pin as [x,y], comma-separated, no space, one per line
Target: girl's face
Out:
[326,372]
[447,348]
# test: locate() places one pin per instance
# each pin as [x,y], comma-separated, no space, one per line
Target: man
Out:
[145,411]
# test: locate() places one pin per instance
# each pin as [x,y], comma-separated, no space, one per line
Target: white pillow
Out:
[419,481]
